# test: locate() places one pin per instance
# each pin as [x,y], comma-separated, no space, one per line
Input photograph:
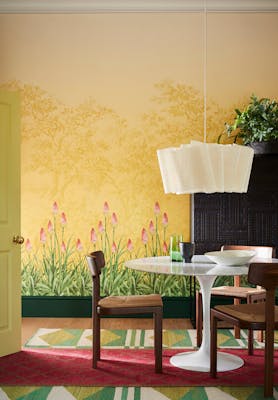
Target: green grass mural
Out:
[57,267]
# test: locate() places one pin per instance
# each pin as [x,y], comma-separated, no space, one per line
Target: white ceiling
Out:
[102,6]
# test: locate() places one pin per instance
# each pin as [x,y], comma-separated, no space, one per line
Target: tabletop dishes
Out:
[231,257]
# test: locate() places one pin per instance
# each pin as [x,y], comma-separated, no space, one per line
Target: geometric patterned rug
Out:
[121,367]
[130,339]
[132,393]
[79,338]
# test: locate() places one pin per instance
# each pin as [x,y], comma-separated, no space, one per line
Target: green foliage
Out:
[258,122]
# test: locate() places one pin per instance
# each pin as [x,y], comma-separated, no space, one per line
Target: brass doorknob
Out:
[18,239]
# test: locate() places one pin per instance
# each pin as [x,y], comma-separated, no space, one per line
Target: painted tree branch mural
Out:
[83,154]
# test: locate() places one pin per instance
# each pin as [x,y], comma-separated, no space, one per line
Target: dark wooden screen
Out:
[249,219]
[233,218]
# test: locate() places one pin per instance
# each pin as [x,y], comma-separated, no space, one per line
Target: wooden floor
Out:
[31,325]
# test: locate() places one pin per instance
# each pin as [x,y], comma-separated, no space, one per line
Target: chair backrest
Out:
[261,252]
[96,262]
[264,274]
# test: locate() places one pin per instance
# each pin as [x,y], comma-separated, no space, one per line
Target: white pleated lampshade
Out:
[205,168]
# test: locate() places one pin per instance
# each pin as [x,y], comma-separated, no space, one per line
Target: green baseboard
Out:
[71,307]
[81,307]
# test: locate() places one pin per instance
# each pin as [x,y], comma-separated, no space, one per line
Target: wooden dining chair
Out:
[235,291]
[122,305]
[262,316]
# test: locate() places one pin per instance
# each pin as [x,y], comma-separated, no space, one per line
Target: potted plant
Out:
[256,126]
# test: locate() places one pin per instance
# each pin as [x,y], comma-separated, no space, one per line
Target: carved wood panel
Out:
[249,219]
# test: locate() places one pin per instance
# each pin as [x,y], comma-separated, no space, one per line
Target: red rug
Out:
[60,367]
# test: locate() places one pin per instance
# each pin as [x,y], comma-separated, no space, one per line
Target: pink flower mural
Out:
[156,208]
[79,246]
[129,245]
[50,226]
[164,224]
[28,245]
[165,219]
[100,227]
[151,227]
[55,208]
[144,236]
[105,208]
[114,219]
[60,258]
[42,236]
[93,236]
[114,248]
[63,247]
[63,219]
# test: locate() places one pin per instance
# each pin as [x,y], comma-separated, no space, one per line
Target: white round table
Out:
[206,273]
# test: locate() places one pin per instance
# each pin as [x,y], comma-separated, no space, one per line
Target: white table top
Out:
[200,265]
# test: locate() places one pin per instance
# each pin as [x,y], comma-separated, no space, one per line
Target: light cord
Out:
[205,68]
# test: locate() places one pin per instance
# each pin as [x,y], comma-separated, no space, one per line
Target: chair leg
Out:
[199,318]
[158,340]
[96,340]
[236,332]
[213,346]
[268,371]
[250,342]
[236,328]
[269,344]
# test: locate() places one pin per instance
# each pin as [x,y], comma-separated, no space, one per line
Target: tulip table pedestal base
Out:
[200,360]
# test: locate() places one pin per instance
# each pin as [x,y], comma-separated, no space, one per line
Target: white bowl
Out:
[231,257]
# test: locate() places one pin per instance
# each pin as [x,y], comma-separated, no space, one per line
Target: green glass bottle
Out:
[175,254]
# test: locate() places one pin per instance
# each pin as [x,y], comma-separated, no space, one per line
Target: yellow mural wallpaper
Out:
[100,93]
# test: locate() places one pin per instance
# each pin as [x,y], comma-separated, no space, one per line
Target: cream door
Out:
[10,269]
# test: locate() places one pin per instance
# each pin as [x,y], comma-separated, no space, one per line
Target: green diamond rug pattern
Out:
[132,393]
[130,338]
